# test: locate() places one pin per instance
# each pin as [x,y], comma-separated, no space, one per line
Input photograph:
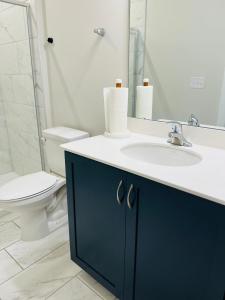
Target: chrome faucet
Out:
[176,136]
[193,121]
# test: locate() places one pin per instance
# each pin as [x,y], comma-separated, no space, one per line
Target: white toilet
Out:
[41,196]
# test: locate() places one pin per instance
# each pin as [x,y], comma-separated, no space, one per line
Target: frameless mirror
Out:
[180,46]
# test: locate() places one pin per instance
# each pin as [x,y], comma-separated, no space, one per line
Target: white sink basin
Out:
[160,154]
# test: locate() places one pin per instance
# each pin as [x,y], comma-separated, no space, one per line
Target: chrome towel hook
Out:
[99,31]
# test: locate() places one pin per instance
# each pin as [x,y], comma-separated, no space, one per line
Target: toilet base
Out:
[34,225]
[36,212]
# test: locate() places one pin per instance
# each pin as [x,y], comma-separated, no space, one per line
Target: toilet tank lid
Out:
[64,134]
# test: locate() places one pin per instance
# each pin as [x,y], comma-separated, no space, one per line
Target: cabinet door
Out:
[180,245]
[97,220]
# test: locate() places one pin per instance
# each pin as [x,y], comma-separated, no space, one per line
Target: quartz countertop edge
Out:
[205,179]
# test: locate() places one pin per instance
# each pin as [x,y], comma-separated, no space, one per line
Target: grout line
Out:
[76,277]
[13,259]
[6,222]
[16,226]
[27,268]
[21,270]
[2,11]
[58,288]
[90,288]
[38,260]
[15,42]
[14,242]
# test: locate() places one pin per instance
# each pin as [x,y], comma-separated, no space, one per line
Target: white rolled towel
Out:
[144,102]
[116,108]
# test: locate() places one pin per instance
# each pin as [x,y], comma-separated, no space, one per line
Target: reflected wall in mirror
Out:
[180,46]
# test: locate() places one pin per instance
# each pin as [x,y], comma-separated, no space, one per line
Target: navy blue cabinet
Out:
[96,209]
[180,245]
[143,240]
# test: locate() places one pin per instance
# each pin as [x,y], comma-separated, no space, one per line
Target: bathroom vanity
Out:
[139,229]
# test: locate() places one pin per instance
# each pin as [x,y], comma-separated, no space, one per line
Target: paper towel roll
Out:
[116,107]
[144,102]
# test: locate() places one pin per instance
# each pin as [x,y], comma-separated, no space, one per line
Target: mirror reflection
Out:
[177,61]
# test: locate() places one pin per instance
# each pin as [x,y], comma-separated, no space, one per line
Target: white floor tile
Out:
[6,216]
[8,267]
[9,233]
[26,253]
[42,279]
[74,290]
[95,286]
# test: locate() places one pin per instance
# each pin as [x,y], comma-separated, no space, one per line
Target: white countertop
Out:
[205,179]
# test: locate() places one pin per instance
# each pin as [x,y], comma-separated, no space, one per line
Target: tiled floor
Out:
[42,269]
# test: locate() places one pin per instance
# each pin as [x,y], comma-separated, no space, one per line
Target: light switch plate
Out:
[197,82]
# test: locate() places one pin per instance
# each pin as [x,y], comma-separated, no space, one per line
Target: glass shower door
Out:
[19,135]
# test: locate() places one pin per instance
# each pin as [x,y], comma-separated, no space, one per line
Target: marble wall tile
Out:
[26,159]
[17,90]
[8,59]
[42,279]
[5,158]
[23,89]
[9,234]
[26,253]
[4,6]
[8,267]
[23,56]
[21,118]
[6,178]
[13,27]
[5,163]
[6,87]
[75,290]
[3,133]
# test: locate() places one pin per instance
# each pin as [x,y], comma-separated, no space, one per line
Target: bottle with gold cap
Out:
[119,83]
[144,100]
[116,107]
[146,82]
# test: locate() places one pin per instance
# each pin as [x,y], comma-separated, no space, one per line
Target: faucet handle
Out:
[176,127]
[193,121]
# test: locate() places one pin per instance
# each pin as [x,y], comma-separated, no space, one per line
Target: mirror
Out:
[180,46]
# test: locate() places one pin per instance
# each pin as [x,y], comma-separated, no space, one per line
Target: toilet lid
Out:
[27,186]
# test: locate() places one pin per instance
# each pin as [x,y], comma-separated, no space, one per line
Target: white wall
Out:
[80,63]
[185,38]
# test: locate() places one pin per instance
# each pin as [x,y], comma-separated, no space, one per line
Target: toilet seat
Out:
[28,186]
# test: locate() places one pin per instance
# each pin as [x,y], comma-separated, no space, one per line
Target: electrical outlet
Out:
[197,82]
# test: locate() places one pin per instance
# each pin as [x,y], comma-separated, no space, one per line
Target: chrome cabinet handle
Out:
[117,193]
[128,196]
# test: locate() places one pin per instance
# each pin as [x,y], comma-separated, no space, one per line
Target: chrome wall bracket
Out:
[99,31]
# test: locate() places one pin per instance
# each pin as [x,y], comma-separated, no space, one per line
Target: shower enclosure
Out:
[20,151]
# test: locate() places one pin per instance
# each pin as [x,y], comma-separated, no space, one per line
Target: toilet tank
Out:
[54,137]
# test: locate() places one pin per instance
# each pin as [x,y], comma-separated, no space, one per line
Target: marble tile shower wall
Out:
[17,90]
[5,158]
